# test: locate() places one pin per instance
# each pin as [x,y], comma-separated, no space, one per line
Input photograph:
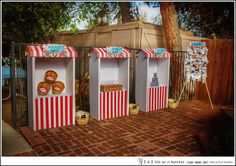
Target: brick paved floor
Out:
[169,132]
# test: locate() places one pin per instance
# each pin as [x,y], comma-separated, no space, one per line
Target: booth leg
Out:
[209,96]
[182,91]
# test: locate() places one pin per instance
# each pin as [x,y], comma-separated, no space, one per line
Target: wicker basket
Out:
[131,105]
[82,121]
[134,109]
[172,103]
[111,87]
[82,117]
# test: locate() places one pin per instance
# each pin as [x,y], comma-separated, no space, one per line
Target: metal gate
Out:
[14,84]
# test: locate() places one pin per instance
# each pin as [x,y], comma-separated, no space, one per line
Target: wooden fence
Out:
[220,72]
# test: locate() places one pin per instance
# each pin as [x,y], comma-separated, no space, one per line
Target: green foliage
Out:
[7,61]
[96,13]
[34,21]
[37,22]
[157,20]
[74,29]
[207,19]
[134,12]
[143,17]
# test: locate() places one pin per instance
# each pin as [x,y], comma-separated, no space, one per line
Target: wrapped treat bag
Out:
[43,88]
[57,87]
[50,76]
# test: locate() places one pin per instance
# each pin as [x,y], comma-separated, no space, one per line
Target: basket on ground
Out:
[172,103]
[82,117]
[133,109]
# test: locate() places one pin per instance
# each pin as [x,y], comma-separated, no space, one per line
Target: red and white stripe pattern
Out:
[103,53]
[39,52]
[151,54]
[157,98]
[52,112]
[113,104]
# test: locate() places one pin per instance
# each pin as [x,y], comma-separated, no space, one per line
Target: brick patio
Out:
[160,133]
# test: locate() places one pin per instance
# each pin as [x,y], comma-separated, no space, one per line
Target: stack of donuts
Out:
[49,83]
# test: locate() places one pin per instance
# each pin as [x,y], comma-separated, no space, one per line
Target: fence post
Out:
[13,84]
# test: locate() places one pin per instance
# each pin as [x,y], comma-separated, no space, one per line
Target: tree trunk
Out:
[171,27]
[173,43]
[125,12]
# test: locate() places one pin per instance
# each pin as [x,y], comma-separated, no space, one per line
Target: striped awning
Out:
[152,53]
[104,53]
[51,50]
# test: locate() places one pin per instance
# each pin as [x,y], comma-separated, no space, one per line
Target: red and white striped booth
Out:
[152,61]
[107,67]
[52,110]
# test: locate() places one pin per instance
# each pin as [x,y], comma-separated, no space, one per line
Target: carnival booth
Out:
[51,85]
[152,79]
[109,82]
